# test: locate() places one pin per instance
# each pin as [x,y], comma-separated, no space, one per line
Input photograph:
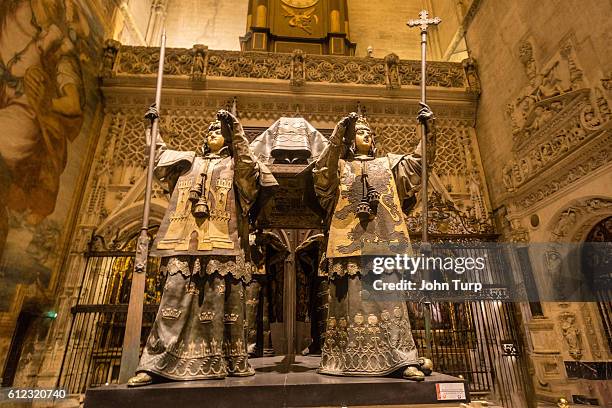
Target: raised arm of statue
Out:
[407,168]
[250,176]
[169,164]
[325,172]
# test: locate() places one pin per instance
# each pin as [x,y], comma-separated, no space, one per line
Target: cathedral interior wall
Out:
[56,132]
[215,23]
[543,127]
[494,38]
[219,24]
[383,27]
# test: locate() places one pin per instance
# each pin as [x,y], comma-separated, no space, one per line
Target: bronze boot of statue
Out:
[140,380]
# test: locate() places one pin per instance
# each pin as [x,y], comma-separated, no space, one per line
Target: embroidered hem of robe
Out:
[364,337]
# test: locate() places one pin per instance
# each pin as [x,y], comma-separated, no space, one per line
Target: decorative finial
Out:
[424,21]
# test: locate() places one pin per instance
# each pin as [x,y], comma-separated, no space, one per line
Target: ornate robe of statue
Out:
[199,331]
[312,289]
[364,198]
[264,291]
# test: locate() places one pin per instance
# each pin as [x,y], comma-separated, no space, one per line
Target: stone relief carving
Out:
[109,59]
[591,333]
[199,62]
[367,71]
[298,71]
[596,157]
[570,218]
[392,71]
[514,230]
[471,73]
[552,116]
[249,65]
[442,74]
[571,334]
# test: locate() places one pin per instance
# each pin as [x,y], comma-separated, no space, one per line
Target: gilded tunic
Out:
[386,232]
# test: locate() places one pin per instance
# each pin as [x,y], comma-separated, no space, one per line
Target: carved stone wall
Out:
[545,135]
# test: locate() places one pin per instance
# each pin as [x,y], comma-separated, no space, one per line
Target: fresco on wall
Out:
[48,56]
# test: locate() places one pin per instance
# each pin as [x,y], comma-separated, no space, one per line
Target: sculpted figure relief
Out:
[364,197]
[199,331]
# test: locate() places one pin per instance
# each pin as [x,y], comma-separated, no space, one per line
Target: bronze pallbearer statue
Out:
[364,197]
[199,331]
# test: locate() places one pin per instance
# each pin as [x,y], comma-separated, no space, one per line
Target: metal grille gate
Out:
[93,353]
[478,340]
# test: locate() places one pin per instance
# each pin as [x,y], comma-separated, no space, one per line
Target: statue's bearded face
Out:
[363,139]
[215,140]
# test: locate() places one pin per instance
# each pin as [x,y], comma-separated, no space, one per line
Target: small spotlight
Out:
[51,314]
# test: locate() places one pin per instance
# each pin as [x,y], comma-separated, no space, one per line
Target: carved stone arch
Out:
[128,221]
[574,221]
[562,256]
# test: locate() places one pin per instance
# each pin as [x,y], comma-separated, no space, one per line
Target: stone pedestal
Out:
[277,384]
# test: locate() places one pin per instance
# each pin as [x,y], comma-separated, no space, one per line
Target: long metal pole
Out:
[423,22]
[425,201]
[424,210]
[133,325]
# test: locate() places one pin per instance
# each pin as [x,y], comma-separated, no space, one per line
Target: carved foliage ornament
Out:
[573,216]
[593,160]
[200,62]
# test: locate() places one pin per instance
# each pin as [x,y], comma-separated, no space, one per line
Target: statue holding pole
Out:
[199,330]
[364,197]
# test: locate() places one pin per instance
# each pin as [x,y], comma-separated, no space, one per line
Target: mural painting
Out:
[48,57]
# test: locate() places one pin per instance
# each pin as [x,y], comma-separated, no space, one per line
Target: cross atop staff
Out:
[424,22]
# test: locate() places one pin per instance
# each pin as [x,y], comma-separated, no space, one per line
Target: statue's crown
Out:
[214,125]
[362,121]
